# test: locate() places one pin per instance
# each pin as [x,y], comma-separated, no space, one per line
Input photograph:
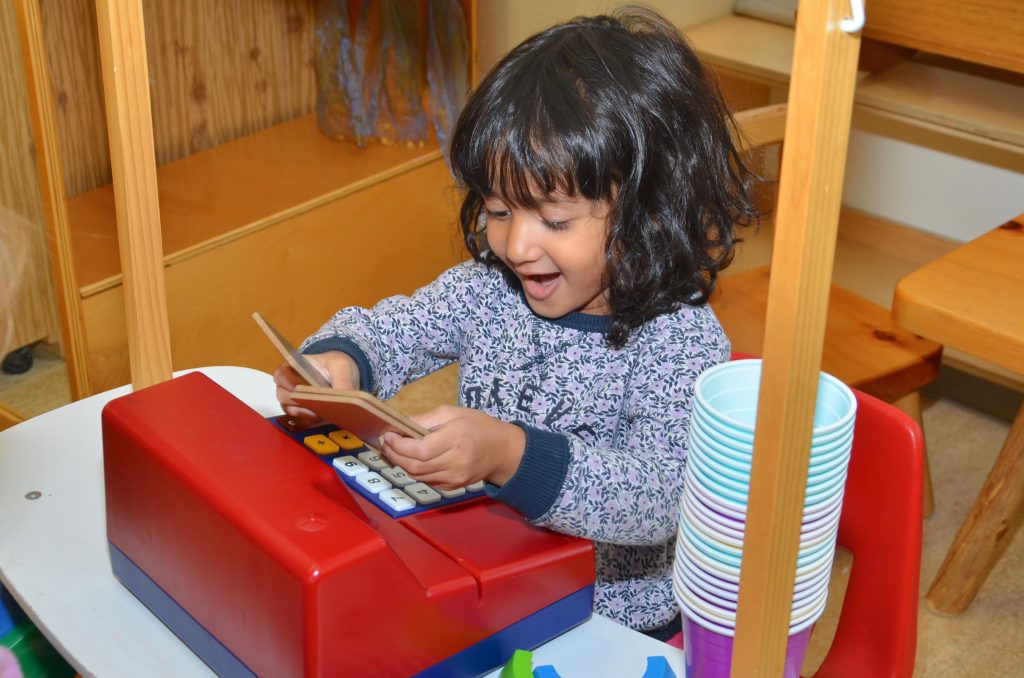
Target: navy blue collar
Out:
[574,320]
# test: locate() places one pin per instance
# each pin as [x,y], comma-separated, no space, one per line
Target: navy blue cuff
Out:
[367,379]
[540,476]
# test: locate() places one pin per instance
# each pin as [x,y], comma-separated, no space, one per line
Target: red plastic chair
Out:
[881,526]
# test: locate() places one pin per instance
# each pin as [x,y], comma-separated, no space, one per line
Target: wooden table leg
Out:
[9,418]
[911,404]
[988,529]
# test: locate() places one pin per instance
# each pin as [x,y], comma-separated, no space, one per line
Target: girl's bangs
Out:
[523,171]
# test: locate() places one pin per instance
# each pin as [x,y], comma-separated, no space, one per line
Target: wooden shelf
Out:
[232,190]
[745,47]
[938,95]
[982,103]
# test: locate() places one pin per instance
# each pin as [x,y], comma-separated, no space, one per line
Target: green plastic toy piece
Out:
[519,666]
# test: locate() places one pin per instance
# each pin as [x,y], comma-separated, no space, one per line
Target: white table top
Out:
[54,559]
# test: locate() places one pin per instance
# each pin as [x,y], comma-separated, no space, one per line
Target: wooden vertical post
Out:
[51,184]
[810,191]
[122,41]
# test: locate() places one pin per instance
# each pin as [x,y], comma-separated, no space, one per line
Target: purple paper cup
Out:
[708,654]
[714,528]
[687,571]
[711,518]
[730,509]
[688,610]
[709,528]
[824,509]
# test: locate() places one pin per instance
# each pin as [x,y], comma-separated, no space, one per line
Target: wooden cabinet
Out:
[259,210]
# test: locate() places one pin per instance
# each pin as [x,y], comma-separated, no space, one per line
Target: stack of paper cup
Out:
[714,508]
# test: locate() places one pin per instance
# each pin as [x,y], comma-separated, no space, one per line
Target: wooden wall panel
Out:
[34,315]
[218,70]
[297,272]
[221,70]
[69,29]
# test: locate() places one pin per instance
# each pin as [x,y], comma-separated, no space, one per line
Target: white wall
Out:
[930,190]
[503,24]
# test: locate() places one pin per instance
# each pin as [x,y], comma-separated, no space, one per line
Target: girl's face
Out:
[556,250]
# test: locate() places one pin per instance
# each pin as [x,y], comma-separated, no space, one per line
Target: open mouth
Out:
[540,286]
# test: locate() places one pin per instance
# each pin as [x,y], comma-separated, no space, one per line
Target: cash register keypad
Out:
[371,475]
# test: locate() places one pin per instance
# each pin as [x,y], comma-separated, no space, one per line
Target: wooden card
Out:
[291,356]
[356,411]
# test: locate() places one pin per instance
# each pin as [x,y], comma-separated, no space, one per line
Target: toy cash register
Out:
[267,558]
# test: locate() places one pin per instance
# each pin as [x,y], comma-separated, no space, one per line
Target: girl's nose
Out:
[521,245]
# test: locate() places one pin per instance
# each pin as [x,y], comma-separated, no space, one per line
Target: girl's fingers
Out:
[297,412]
[420,449]
[436,418]
[418,460]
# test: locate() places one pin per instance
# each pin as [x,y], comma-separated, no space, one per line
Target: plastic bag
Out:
[447,67]
[347,71]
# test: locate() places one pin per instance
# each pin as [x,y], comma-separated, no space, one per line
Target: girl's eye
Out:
[498,214]
[556,225]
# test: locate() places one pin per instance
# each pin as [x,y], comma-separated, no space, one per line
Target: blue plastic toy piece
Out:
[657,667]
[10,613]
[546,671]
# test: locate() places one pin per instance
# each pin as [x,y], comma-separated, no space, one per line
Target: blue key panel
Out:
[299,436]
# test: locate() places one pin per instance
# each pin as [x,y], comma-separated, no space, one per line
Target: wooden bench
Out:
[864,347]
[971,299]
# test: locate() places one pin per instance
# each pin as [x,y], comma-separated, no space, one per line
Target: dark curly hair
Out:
[615,108]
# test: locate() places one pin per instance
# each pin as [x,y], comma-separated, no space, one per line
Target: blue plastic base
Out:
[487,655]
[223,662]
[527,634]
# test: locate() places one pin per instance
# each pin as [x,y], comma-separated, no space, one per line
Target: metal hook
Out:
[855,23]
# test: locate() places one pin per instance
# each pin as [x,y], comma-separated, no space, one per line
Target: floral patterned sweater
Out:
[606,429]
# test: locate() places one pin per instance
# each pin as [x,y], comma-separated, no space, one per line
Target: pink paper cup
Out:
[708,654]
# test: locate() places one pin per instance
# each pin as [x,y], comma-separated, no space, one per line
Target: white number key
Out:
[349,465]
[373,482]
[373,460]
[423,493]
[397,476]
[397,499]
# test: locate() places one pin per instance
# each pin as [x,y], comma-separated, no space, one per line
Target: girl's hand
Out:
[463,446]
[338,368]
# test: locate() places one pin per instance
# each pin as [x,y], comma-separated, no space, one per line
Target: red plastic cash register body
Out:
[255,553]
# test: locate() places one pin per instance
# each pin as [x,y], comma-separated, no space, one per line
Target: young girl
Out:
[601,189]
